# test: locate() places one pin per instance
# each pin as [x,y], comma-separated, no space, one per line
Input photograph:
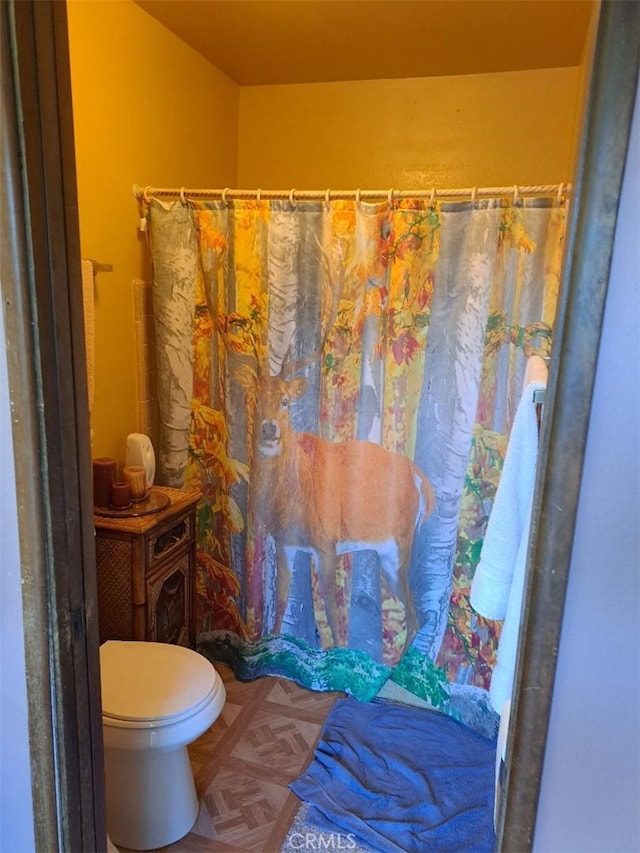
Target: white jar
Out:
[140,452]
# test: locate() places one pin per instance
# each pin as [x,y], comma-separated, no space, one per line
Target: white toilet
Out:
[156,699]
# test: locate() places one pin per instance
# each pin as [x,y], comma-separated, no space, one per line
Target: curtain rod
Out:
[516,191]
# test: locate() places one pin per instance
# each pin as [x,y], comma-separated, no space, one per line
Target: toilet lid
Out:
[152,681]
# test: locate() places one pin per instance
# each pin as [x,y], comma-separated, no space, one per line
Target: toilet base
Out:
[151,799]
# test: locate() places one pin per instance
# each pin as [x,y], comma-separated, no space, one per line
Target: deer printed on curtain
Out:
[339,380]
[328,498]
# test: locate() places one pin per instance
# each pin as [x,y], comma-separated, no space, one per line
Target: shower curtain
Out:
[339,378]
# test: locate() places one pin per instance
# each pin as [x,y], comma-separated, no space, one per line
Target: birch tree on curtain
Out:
[339,380]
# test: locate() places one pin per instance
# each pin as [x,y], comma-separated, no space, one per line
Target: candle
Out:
[136,476]
[120,496]
[104,476]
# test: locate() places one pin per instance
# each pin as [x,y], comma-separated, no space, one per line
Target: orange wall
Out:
[148,110]
[585,70]
[475,130]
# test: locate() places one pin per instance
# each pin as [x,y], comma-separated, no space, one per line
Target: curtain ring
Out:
[358,196]
[145,194]
[515,194]
[182,198]
[560,194]
[258,193]
[473,195]
[432,198]
[224,195]
[291,199]
[327,198]
[390,198]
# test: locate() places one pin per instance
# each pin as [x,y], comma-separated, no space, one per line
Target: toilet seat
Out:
[153,684]
[120,722]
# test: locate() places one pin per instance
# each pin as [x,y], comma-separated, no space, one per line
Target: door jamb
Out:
[44,328]
[572,371]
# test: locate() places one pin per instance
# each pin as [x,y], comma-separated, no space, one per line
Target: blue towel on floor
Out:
[401,779]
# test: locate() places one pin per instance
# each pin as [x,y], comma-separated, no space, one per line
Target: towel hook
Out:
[100,267]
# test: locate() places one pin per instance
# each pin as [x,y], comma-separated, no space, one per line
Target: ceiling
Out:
[259,42]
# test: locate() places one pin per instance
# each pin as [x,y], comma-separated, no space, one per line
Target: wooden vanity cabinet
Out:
[146,572]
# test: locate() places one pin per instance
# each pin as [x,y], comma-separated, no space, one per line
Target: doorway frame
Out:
[45,341]
[585,277]
[44,338]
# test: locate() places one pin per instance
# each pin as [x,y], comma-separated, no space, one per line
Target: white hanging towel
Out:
[89,326]
[498,583]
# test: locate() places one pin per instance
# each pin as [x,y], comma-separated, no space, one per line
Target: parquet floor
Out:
[263,739]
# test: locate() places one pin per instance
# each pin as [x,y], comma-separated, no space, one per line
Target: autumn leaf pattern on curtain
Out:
[405,327]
